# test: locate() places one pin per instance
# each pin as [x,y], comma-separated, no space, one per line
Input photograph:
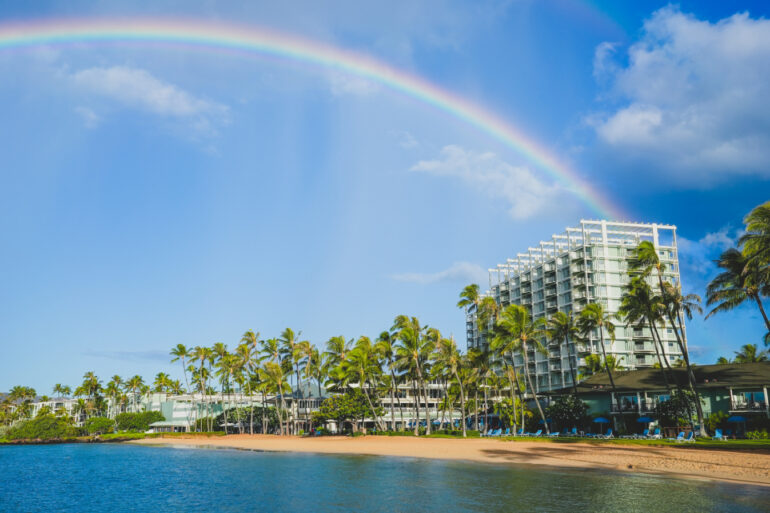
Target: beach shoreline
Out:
[743,467]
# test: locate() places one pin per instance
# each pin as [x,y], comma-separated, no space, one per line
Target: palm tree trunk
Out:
[462,402]
[657,342]
[476,408]
[392,400]
[531,388]
[416,396]
[762,311]
[427,406]
[571,367]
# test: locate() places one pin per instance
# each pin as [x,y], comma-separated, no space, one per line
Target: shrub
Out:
[100,425]
[758,435]
[45,427]
[137,421]
[568,412]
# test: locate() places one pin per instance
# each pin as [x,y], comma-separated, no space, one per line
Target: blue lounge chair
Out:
[719,436]
[645,434]
[607,435]
[507,432]
[689,438]
[536,433]
[679,437]
[655,435]
[573,432]
[521,432]
[489,432]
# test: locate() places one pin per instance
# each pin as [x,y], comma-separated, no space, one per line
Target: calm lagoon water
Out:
[121,478]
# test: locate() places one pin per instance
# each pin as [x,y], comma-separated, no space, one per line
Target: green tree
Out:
[448,357]
[741,280]
[562,328]
[750,353]
[595,317]
[412,354]
[516,324]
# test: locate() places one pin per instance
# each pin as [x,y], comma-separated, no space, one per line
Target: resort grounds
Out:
[733,461]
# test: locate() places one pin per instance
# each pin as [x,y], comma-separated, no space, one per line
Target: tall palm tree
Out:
[449,357]
[750,353]
[595,317]
[61,390]
[274,376]
[180,353]
[134,385]
[363,365]
[741,280]
[337,351]
[562,327]
[516,323]
[387,349]
[469,296]
[677,306]
[203,355]
[249,360]
[639,306]
[481,360]
[505,345]
[161,383]
[412,353]
[643,260]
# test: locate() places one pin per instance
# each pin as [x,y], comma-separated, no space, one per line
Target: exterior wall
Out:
[588,263]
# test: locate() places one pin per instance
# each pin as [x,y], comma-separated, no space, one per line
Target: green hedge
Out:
[100,425]
[137,421]
[43,427]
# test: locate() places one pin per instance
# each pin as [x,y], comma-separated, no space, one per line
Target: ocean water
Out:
[123,478]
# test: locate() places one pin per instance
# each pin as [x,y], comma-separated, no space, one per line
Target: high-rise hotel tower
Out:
[587,263]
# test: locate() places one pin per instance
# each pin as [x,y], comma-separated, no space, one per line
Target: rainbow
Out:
[262,41]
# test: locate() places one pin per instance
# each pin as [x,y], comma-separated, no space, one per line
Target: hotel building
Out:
[584,264]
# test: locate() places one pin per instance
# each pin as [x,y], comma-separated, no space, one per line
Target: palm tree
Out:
[750,353]
[595,317]
[249,361]
[386,347]
[502,345]
[337,350]
[756,240]
[448,357]
[134,385]
[61,390]
[364,366]
[742,280]
[640,306]
[481,360]
[723,361]
[161,383]
[275,378]
[516,323]
[562,327]
[412,353]
[644,259]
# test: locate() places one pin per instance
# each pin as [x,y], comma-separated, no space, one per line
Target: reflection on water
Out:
[118,478]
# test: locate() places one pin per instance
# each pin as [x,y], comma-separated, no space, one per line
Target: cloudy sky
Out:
[152,194]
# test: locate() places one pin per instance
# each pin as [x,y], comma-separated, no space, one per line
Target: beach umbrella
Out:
[645,420]
[601,420]
[736,418]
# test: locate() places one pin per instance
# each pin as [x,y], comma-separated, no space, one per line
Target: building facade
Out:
[584,264]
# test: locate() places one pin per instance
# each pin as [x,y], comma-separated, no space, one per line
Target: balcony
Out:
[739,405]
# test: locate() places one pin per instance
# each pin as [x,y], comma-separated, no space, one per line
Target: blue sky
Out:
[152,195]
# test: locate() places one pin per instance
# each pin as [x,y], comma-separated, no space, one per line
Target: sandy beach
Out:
[724,465]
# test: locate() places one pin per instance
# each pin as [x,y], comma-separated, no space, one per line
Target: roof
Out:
[736,375]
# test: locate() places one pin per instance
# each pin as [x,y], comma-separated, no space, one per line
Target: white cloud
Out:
[693,97]
[90,118]
[405,139]
[138,88]
[344,84]
[465,272]
[524,192]
[696,257]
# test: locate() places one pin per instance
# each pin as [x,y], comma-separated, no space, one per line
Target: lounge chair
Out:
[719,436]
[537,433]
[507,432]
[689,438]
[607,435]
[645,434]
[573,432]
[655,435]
[553,435]
[679,437]
[521,432]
